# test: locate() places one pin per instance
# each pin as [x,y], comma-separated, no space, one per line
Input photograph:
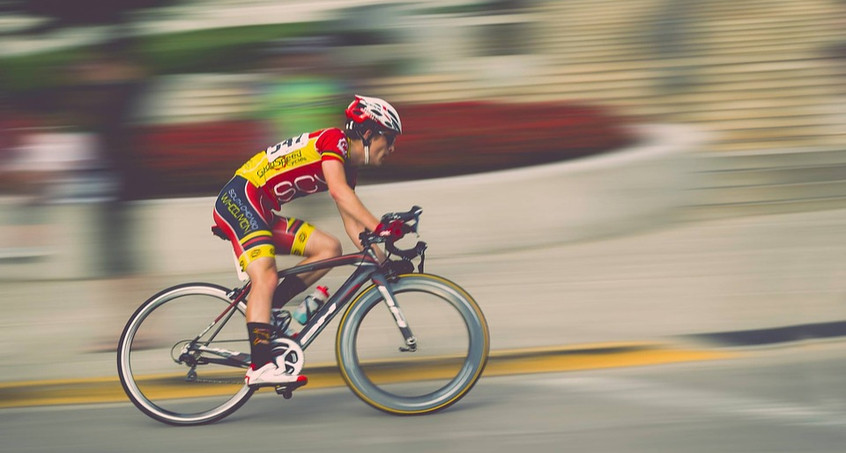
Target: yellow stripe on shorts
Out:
[256,234]
[304,232]
[261,251]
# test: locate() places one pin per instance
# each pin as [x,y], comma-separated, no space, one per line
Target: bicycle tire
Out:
[158,388]
[381,383]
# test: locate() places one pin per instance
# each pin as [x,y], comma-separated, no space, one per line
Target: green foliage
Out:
[205,49]
[37,71]
[221,49]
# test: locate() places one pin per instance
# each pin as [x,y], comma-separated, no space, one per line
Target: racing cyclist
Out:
[325,160]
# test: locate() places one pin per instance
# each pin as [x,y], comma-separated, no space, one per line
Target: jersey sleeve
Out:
[332,144]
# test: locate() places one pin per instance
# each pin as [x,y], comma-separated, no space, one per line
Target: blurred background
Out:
[631,170]
[584,119]
[107,105]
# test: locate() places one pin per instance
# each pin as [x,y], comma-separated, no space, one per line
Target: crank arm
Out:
[231,358]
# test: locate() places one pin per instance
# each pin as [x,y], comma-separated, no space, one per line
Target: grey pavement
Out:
[685,278]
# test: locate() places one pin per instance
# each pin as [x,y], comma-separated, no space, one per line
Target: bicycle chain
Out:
[198,380]
[216,381]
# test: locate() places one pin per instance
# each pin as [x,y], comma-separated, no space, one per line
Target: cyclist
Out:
[325,160]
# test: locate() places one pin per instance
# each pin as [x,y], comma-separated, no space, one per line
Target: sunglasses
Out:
[391,138]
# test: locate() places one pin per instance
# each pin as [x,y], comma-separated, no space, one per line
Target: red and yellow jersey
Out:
[293,168]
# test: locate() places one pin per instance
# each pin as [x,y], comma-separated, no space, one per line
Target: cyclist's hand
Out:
[393,229]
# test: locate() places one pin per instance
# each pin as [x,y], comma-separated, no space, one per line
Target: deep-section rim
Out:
[459,386]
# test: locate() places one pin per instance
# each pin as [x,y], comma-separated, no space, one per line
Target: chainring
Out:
[288,353]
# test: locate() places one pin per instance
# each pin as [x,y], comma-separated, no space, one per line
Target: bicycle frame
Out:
[367,268]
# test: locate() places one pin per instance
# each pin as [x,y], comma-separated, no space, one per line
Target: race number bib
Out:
[286,147]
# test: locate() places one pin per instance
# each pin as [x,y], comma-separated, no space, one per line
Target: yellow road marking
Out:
[506,362]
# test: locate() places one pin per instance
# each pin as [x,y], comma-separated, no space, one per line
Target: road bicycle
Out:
[407,343]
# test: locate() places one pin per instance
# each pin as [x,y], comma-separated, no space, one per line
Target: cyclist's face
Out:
[381,147]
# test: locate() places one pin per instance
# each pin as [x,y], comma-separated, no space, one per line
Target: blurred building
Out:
[764,78]
[759,74]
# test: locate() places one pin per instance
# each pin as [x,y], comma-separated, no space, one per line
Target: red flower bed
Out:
[474,137]
[194,159]
[439,140]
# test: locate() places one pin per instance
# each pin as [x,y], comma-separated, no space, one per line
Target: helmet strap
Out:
[366,143]
[359,134]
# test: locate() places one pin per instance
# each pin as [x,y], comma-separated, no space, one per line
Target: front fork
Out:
[384,288]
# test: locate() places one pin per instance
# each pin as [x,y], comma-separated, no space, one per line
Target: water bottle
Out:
[311,304]
[281,321]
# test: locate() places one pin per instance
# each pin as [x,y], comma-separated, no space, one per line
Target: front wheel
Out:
[181,356]
[451,350]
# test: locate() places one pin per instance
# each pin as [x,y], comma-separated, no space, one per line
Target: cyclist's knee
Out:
[322,246]
[263,271]
[335,248]
[331,248]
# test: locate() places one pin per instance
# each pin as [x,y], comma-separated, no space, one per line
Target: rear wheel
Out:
[452,346]
[175,366]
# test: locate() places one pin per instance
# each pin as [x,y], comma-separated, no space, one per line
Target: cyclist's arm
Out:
[355,215]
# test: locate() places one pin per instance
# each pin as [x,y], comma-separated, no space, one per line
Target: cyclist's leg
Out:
[240,212]
[296,237]
[262,272]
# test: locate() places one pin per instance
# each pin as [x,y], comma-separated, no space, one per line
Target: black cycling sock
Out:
[260,351]
[290,287]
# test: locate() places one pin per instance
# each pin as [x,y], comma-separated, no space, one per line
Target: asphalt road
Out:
[787,399]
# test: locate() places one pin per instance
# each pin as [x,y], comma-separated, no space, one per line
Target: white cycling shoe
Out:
[270,374]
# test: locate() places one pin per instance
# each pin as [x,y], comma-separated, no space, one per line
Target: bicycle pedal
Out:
[286,390]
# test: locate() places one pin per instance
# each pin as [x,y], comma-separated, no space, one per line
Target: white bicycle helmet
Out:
[372,113]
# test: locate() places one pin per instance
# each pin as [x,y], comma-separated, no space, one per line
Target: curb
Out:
[772,336]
